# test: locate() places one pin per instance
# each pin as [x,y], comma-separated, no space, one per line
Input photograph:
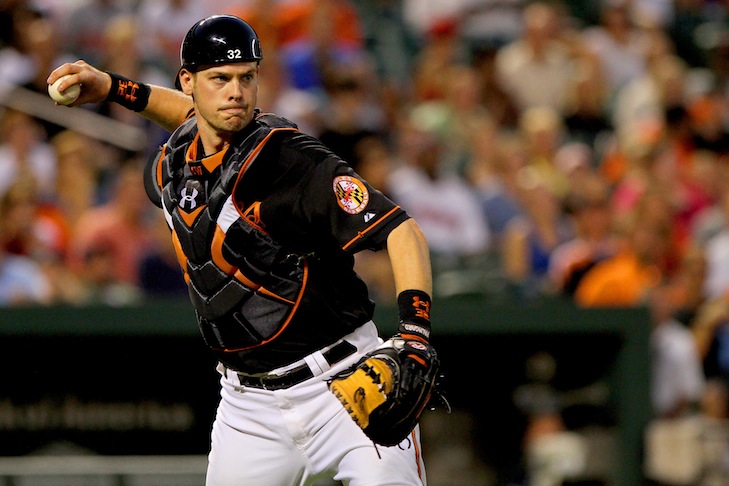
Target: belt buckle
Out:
[252,381]
[262,380]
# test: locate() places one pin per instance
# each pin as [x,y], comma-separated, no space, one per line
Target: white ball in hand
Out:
[64,97]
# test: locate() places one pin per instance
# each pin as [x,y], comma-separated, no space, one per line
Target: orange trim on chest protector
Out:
[189,218]
[286,323]
[211,162]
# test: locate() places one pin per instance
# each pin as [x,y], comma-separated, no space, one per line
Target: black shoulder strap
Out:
[153,170]
[183,134]
[274,121]
[152,183]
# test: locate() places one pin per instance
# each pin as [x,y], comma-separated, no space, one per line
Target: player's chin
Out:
[235,123]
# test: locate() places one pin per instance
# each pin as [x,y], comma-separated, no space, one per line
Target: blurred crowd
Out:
[577,150]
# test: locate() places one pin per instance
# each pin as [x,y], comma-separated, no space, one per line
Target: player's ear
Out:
[185,79]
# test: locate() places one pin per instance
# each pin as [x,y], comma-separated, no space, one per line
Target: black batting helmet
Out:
[219,39]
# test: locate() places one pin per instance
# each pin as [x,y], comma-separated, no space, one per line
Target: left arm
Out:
[388,390]
[410,260]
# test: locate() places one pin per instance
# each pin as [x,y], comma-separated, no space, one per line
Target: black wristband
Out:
[414,313]
[130,94]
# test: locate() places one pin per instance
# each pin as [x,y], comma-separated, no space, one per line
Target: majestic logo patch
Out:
[352,195]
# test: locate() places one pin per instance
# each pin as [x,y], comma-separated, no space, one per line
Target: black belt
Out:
[333,355]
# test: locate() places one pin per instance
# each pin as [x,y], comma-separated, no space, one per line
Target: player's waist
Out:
[315,364]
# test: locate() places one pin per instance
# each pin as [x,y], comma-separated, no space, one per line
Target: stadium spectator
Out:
[708,118]
[83,26]
[650,95]
[537,69]
[440,51]
[41,51]
[162,25]
[530,238]
[716,247]
[713,219]
[25,152]
[492,95]
[78,179]
[543,132]
[444,204]
[319,36]
[684,26]
[495,160]
[620,45]
[97,273]
[22,280]
[349,114]
[123,53]
[37,229]
[710,328]
[32,227]
[160,275]
[595,240]
[639,266]
[9,9]
[17,64]
[677,377]
[390,44]
[115,234]
[585,116]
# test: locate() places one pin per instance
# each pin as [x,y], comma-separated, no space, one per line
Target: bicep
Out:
[344,205]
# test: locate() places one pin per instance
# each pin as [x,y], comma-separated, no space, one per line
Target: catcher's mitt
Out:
[387,390]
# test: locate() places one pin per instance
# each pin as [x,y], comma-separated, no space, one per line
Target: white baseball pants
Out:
[302,434]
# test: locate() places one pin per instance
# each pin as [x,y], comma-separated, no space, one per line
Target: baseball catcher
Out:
[388,389]
[266,221]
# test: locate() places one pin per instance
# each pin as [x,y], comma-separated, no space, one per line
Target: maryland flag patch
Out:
[352,194]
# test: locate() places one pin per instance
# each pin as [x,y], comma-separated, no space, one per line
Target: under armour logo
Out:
[128,89]
[189,196]
[368,216]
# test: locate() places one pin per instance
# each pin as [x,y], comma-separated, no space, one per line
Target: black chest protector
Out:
[245,286]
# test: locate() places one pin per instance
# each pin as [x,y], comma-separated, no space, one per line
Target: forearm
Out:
[410,258]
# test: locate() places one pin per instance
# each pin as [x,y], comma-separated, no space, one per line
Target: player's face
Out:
[225,97]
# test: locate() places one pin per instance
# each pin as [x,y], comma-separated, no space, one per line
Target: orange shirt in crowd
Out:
[620,281]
